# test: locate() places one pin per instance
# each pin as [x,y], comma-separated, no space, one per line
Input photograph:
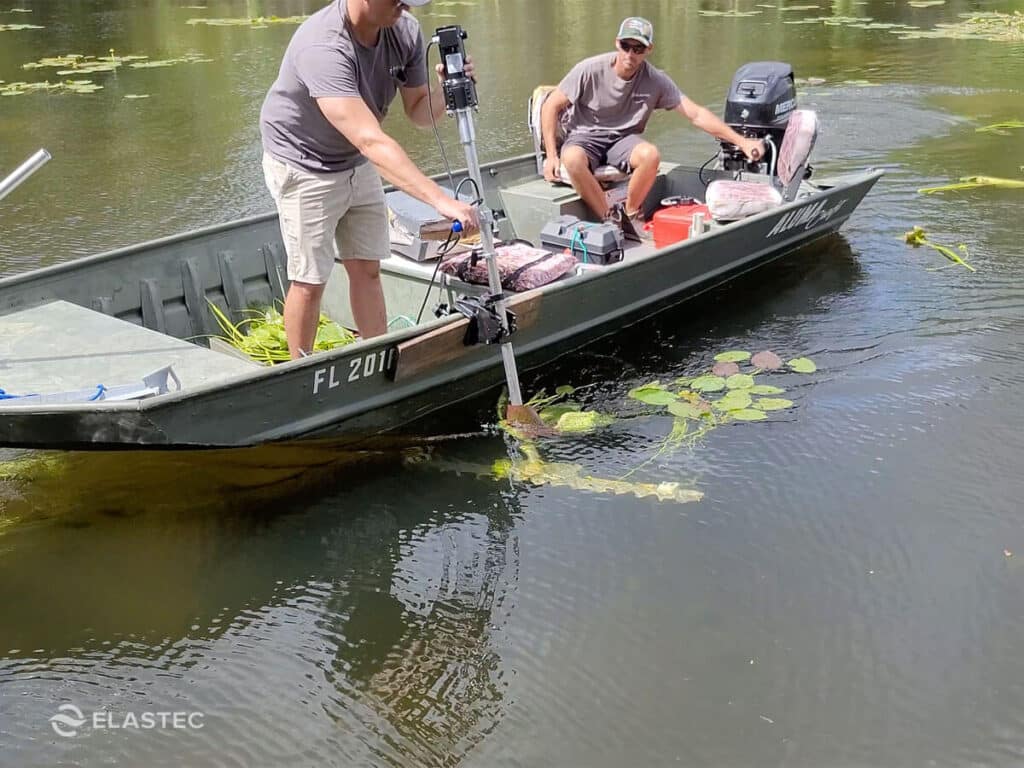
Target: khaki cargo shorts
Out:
[328,216]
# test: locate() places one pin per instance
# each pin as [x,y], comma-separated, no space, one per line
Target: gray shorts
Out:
[600,152]
[328,216]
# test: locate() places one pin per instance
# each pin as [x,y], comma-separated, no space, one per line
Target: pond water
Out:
[846,593]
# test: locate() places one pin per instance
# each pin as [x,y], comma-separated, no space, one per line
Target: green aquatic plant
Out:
[706,402]
[991,26]
[733,356]
[66,86]
[733,14]
[1003,128]
[917,237]
[802,365]
[974,182]
[258,22]
[261,334]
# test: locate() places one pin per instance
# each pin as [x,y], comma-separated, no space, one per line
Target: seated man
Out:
[607,100]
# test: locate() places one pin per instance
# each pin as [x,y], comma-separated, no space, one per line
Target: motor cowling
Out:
[761,98]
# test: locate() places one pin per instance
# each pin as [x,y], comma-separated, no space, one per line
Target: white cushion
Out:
[731,200]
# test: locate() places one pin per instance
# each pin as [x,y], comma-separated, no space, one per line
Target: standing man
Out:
[607,100]
[323,147]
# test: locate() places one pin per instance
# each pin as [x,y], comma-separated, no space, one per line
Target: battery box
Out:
[588,241]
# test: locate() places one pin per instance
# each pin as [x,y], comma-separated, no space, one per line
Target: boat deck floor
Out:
[61,346]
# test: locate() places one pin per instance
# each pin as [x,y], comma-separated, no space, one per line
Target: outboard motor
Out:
[761,98]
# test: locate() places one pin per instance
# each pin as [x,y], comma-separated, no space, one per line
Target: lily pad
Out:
[773,404]
[736,400]
[724,369]
[740,381]
[653,396]
[734,356]
[765,389]
[766,361]
[579,422]
[802,365]
[685,410]
[748,414]
[552,413]
[708,384]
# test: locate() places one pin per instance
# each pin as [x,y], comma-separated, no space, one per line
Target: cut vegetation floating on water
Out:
[974,182]
[1003,128]
[729,392]
[917,237]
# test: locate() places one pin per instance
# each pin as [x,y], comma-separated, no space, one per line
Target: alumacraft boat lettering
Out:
[115,318]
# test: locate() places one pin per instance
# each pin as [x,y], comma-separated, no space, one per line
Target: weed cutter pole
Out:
[460,101]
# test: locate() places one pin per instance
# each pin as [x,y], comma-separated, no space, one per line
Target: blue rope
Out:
[577,235]
[100,389]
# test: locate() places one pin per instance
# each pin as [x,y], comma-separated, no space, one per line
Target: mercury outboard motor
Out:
[761,98]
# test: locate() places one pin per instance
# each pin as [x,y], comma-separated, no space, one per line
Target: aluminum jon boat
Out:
[115,345]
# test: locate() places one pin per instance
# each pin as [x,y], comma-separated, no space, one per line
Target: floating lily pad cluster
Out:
[76,64]
[726,392]
[66,86]
[258,22]
[992,26]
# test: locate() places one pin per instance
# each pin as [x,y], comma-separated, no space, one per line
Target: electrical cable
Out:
[700,173]
[433,121]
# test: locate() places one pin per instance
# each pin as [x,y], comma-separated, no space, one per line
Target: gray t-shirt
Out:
[606,107]
[324,59]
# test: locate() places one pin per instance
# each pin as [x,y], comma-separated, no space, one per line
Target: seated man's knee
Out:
[645,154]
[575,160]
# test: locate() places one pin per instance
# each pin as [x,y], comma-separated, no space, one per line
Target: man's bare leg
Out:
[301,314]
[578,165]
[366,297]
[644,160]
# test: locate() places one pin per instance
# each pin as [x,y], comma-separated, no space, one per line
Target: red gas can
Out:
[671,223]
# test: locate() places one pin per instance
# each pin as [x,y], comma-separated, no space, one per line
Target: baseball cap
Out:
[635,28]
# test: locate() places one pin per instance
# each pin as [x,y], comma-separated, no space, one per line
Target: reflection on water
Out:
[377,619]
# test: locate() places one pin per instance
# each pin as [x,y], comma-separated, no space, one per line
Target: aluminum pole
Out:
[467,136]
[23,171]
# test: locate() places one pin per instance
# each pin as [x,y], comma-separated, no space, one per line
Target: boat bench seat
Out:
[608,175]
[60,346]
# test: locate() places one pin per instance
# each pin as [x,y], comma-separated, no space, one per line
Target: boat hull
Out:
[390,384]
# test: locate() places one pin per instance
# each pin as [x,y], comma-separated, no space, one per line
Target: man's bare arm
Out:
[354,120]
[417,105]
[554,105]
[707,121]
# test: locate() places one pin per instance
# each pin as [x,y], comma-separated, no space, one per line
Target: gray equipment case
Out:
[590,242]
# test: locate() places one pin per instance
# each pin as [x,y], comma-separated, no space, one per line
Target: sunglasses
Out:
[629,47]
